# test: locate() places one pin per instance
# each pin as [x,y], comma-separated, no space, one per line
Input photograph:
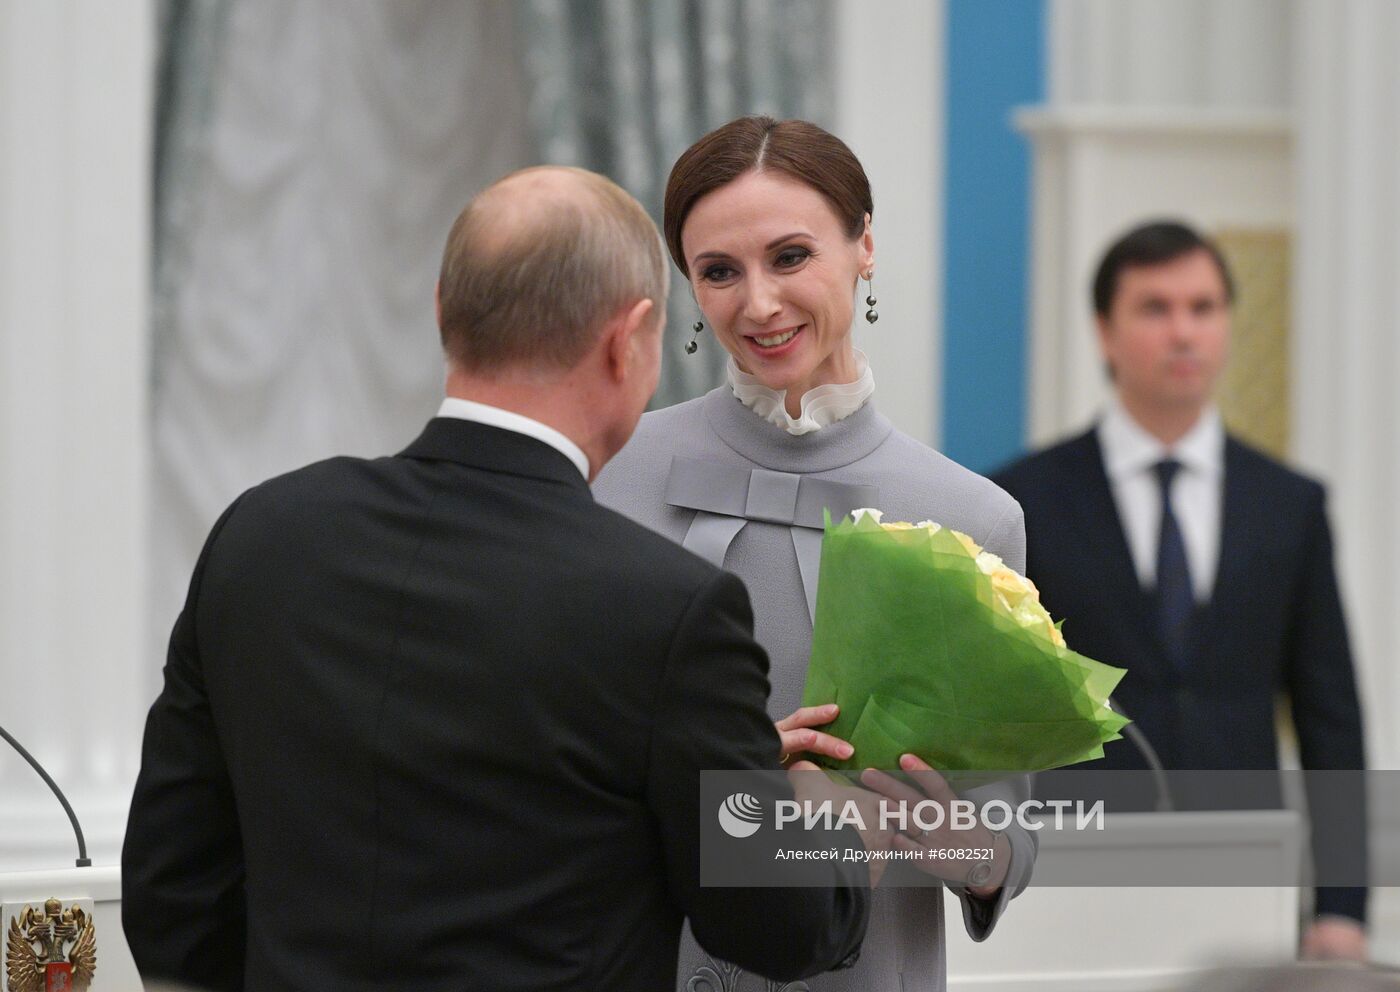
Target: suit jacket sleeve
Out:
[1007,539]
[1327,717]
[182,861]
[711,715]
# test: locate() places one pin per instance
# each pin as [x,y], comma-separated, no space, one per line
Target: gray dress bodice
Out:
[903,949]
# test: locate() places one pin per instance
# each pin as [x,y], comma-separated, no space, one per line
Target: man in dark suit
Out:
[1197,563]
[436,721]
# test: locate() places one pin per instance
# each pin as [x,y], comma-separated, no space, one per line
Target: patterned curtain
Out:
[309,160]
[624,86]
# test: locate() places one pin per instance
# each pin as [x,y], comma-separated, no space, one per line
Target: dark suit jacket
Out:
[435,722]
[1274,622]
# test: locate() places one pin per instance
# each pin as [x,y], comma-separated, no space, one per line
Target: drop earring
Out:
[871,315]
[695,329]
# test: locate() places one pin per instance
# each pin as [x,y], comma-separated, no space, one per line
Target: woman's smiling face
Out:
[775,275]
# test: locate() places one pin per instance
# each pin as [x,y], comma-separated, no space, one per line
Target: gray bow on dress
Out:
[726,497]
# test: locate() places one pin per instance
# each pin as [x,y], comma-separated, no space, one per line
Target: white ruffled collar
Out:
[821,405]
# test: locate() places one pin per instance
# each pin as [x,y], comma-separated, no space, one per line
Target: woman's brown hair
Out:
[795,148]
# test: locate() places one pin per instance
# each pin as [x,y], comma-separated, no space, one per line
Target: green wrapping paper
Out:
[911,642]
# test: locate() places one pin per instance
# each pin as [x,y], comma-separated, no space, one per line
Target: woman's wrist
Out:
[999,864]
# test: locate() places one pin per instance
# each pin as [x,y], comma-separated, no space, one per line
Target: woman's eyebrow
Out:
[768,247]
[786,237]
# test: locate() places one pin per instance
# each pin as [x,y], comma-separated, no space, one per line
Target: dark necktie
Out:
[1175,601]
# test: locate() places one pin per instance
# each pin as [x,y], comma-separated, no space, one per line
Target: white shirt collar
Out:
[1128,447]
[494,416]
[821,405]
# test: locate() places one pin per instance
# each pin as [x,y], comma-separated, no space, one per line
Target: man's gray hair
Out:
[538,262]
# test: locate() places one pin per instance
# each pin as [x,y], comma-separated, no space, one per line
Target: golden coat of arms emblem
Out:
[35,959]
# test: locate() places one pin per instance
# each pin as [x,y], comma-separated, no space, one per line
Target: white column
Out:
[1347,319]
[1171,53]
[889,109]
[75,136]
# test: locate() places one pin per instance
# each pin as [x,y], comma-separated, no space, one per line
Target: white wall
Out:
[75,97]
[889,109]
[1347,321]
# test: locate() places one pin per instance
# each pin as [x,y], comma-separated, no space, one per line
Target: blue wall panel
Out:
[995,63]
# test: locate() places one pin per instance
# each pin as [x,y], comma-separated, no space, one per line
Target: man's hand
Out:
[798,737]
[811,785]
[1334,938]
[935,788]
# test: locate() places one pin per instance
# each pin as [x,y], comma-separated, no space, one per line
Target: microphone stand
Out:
[83,860]
[1159,776]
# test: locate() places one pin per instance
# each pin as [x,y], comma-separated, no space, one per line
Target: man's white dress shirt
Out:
[494,416]
[1197,491]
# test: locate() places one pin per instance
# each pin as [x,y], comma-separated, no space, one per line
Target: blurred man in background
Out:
[1199,564]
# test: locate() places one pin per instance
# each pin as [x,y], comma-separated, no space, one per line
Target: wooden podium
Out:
[1061,937]
[97,892]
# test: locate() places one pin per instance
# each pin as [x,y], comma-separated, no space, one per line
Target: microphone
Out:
[1164,802]
[83,860]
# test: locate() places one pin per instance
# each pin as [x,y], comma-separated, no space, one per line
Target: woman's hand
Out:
[798,736]
[961,845]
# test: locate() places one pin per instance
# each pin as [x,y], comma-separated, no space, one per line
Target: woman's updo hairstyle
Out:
[795,148]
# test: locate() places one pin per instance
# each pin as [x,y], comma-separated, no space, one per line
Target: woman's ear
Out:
[867,247]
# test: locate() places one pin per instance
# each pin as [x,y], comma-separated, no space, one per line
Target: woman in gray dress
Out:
[770,222]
